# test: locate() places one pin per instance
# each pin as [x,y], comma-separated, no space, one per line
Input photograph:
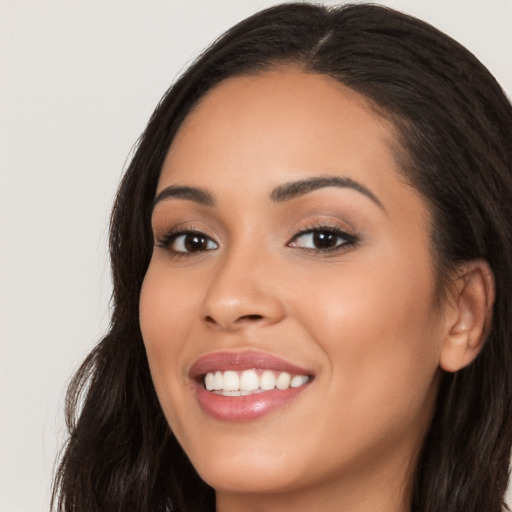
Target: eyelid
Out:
[165,240]
[209,241]
[350,240]
[347,239]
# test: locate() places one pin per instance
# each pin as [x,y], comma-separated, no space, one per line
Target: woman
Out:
[310,251]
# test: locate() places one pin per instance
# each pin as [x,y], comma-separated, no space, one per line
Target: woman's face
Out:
[291,261]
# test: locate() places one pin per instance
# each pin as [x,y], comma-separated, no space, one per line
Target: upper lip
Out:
[239,361]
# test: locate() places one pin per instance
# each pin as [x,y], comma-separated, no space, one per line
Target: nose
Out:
[242,293]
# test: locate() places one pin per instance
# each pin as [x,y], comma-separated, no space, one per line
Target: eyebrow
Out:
[198,195]
[280,194]
[299,188]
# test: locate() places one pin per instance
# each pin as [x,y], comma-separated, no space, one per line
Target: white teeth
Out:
[283,380]
[267,380]
[249,381]
[217,383]
[232,383]
[209,381]
[298,381]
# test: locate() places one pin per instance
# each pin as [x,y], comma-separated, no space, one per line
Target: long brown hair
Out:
[455,130]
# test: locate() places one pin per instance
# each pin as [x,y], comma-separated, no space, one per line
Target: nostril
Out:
[236,321]
[251,317]
[240,320]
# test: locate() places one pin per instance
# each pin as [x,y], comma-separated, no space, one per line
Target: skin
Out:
[363,318]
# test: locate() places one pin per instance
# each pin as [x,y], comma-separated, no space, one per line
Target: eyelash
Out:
[348,239]
[166,241]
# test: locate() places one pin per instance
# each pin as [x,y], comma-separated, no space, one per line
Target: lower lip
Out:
[245,408]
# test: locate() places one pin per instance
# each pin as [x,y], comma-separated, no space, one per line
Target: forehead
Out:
[260,130]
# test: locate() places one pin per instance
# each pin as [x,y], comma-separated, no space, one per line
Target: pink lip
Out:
[224,361]
[249,407]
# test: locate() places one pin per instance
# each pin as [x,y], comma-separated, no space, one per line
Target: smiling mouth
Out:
[246,385]
[251,381]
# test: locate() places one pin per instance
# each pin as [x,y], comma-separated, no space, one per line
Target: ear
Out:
[468,314]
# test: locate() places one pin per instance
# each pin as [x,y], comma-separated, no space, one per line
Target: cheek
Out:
[379,328]
[164,313]
[166,317]
[165,306]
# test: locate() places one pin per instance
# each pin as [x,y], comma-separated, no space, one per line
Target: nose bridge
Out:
[240,291]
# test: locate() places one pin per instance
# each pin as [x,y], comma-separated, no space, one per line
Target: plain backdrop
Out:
[78,81]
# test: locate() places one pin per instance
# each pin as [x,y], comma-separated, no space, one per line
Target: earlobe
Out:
[468,315]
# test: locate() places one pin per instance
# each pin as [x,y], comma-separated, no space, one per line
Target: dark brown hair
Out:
[454,128]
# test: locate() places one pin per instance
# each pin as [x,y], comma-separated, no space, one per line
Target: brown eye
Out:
[322,240]
[192,242]
[325,239]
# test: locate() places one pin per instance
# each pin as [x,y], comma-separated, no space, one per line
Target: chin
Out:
[246,465]
[245,477]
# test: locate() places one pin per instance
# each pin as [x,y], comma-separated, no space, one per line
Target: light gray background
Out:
[78,81]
